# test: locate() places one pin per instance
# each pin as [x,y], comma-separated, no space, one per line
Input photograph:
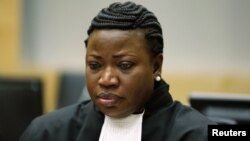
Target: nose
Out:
[108,78]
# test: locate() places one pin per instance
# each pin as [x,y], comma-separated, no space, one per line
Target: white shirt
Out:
[122,129]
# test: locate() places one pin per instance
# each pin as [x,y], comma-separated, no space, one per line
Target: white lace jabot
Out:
[122,129]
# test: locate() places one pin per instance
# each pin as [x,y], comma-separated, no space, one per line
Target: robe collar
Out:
[160,98]
[90,128]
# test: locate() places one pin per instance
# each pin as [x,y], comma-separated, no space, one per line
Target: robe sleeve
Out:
[35,132]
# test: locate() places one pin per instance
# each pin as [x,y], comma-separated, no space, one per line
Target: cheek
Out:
[139,85]
[91,83]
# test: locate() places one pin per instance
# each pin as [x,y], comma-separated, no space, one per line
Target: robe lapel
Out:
[92,125]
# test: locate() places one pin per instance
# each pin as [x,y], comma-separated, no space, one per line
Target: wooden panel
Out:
[9,33]
[183,84]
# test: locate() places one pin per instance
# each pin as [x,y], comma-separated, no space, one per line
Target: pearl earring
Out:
[158,78]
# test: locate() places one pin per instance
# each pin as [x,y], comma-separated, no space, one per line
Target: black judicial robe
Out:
[163,120]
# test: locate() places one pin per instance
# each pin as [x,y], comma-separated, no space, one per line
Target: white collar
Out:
[123,129]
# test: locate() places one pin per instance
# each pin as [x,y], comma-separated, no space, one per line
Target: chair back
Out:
[20,102]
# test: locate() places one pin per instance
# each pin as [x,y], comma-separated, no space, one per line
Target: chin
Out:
[115,114]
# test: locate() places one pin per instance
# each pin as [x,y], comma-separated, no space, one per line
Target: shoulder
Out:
[62,115]
[184,112]
[57,123]
[190,124]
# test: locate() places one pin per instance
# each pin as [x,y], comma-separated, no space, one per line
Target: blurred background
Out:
[207,51]
[207,44]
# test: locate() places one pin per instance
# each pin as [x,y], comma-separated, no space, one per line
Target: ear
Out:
[157,64]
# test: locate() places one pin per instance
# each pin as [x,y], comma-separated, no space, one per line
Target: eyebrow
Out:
[114,56]
[95,56]
[119,55]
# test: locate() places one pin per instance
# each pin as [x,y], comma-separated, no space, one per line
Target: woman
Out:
[129,100]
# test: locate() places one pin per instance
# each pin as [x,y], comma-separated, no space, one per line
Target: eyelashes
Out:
[94,65]
[124,65]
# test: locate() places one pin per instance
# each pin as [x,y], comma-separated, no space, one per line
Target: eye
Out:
[94,65]
[126,65]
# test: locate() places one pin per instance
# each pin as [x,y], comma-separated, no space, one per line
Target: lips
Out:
[108,99]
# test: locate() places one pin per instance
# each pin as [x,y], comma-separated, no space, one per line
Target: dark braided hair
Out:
[128,16]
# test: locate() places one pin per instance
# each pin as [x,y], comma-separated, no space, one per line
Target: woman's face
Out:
[119,72]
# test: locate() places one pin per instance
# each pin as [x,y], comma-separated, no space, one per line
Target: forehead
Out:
[116,34]
[117,39]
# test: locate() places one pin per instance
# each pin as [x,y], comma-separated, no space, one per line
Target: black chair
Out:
[20,102]
[223,108]
[70,88]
